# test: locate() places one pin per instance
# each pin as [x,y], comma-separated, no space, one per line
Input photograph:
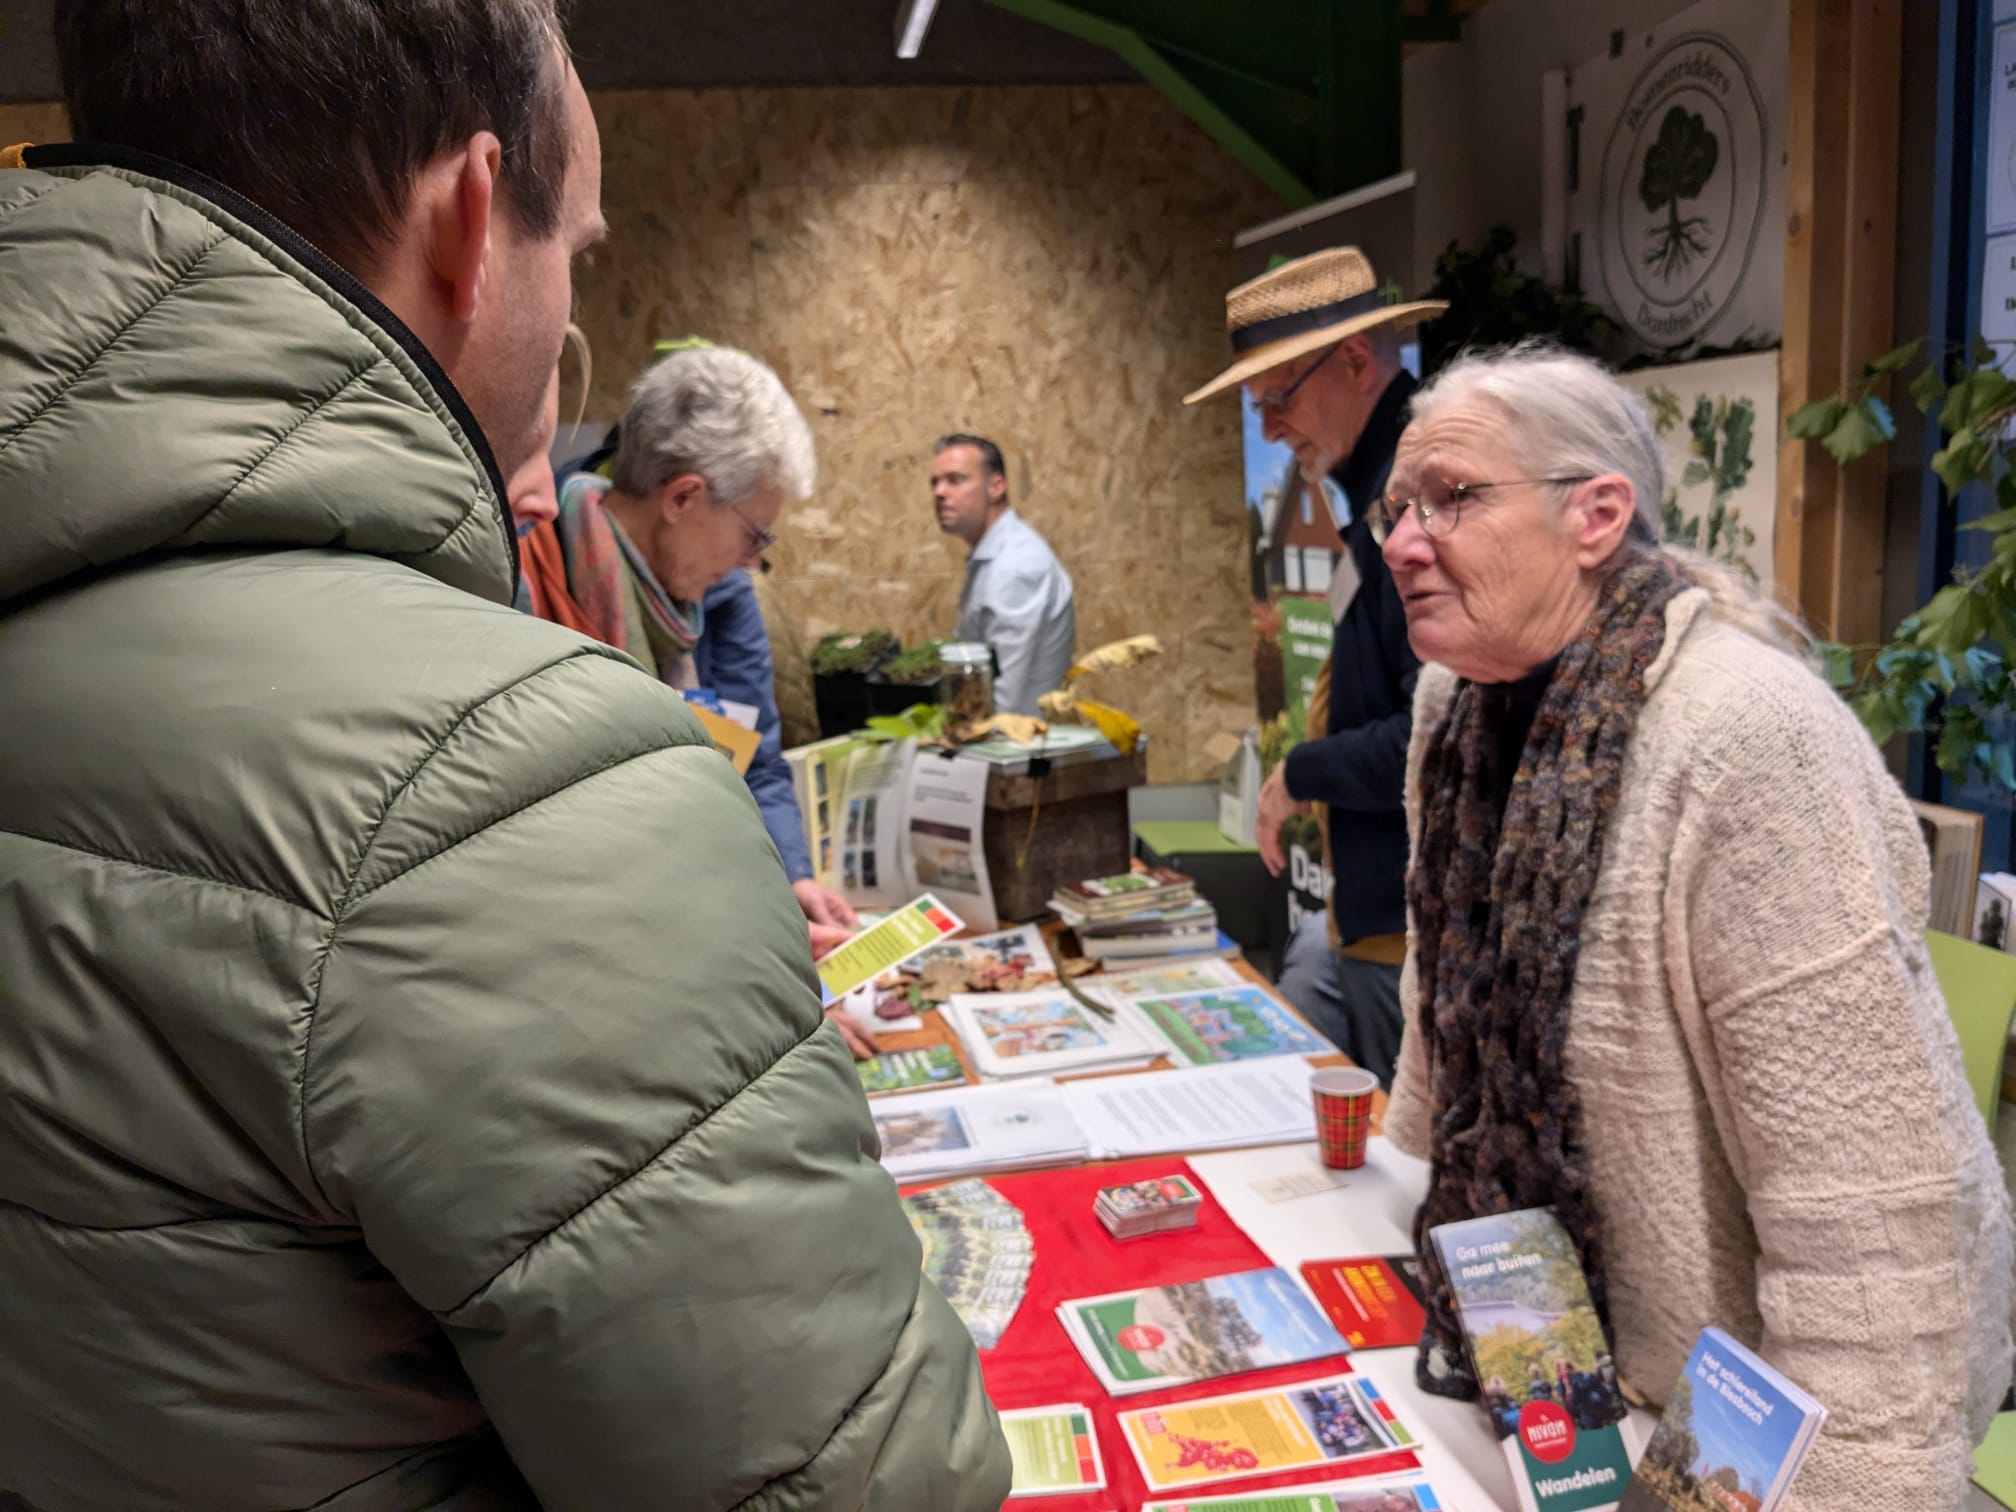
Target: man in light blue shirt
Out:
[1017,595]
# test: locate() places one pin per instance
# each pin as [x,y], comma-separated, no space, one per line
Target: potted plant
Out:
[840,665]
[1945,672]
[908,676]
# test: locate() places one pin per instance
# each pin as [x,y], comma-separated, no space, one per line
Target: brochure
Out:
[1313,1423]
[1054,1449]
[1040,1033]
[900,1070]
[1161,981]
[944,813]
[1538,1352]
[1733,1425]
[1375,1300]
[976,1252]
[910,929]
[870,822]
[1371,1493]
[966,1130]
[1231,1023]
[819,779]
[1197,1330]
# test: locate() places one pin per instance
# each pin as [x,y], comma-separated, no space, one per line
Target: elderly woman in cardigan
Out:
[1666,968]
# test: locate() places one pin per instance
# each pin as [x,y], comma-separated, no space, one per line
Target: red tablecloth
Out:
[1036,1364]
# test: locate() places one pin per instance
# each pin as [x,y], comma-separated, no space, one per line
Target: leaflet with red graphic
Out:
[1374,1300]
[1315,1423]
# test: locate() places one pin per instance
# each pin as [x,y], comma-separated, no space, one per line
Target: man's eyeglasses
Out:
[1278,403]
[1440,505]
[760,540]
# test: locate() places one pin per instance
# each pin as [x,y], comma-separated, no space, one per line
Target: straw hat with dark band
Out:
[1300,306]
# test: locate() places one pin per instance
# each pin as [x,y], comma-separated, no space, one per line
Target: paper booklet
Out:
[1230,1023]
[1369,1493]
[1308,1425]
[1375,1300]
[1733,1425]
[1539,1354]
[914,927]
[1011,1034]
[819,779]
[1259,1102]
[944,823]
[1160,981]
[1161,1336]
[902,1070]
[1054,1450]
[870,822]
[967,1130]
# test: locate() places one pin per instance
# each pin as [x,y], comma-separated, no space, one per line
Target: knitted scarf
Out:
[582,570]
[1498,903]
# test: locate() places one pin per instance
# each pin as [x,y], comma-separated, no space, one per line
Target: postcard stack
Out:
[1154,1206]
[1139,917]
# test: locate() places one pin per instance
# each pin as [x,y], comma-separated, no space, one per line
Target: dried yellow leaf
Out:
[1115,655]
[1023,729]
[1122,729]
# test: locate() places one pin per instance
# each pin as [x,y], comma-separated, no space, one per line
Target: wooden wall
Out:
[1043,265]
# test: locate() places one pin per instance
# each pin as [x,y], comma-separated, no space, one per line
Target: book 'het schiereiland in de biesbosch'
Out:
[1541,1359]
[1734,1434]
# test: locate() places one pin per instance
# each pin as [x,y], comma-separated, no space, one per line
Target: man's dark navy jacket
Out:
[1358,766]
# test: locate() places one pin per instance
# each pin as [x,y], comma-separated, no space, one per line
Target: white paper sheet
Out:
[944,818]
[962,1130]
[1203,1108]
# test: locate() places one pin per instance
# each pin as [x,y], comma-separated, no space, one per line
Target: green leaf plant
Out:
[1945,672]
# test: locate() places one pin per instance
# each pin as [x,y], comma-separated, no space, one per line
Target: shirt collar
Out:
[990,545]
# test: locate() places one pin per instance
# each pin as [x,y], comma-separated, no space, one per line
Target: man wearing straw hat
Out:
[1317,345]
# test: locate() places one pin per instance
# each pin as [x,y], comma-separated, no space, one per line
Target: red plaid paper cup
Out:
[1343,1114]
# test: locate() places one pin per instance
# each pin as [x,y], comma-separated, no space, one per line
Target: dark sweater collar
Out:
[1363,474]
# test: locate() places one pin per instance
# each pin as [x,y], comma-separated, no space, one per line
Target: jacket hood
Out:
[180,371]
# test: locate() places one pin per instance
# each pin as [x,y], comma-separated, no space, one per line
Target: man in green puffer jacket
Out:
[413,1089]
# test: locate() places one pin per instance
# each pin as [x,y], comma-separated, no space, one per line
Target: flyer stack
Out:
[1148,1207]
[1140,916]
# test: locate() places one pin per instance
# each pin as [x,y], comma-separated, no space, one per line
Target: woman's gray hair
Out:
[719,413]
[1566,416]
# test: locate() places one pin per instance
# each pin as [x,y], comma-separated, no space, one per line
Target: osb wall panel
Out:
[1046,266]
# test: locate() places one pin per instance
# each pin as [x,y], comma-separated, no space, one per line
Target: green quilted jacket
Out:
[413,1090]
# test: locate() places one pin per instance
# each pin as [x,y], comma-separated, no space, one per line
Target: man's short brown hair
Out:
[323,111]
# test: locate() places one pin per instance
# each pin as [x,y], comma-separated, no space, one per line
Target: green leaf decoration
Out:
[1837,664]
[1879,412]
[1895,360]
[1694,474]
[1811,421]
[1854,436]
[1927,389]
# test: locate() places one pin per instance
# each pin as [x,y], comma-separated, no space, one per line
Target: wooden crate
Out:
[1068,824]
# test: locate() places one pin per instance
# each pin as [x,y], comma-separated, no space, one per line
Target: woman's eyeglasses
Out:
[760,540]
[1440,505]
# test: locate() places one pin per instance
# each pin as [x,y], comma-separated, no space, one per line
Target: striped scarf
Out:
[582,570]
[1498,903]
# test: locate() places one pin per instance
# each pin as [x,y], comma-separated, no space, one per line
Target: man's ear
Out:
[997,487]
[1600,513]
[462,188]
[1361,362]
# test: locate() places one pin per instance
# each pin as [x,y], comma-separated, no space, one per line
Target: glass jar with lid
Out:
[966,681]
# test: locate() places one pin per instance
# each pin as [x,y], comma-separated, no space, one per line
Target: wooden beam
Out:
[1842,90]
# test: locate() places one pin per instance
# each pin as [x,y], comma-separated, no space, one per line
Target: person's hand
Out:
[859,1040]
[827,937]
[1276,808]
[822,905]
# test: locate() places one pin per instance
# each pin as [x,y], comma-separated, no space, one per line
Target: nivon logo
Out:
[1681,191]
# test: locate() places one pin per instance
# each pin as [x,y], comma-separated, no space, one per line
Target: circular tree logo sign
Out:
[1681,191]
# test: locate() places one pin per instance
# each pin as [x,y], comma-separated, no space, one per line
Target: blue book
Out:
[1734,1435]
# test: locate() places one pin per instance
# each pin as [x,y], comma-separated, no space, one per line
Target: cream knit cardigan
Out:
[1779,1135]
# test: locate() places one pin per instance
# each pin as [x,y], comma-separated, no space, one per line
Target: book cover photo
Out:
[1233,1023]
[1375,1300]
[1733,1436]
[1540,1357]
[1198,1330]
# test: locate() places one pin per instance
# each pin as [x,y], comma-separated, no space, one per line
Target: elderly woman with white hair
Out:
[1666,969]
[710,450]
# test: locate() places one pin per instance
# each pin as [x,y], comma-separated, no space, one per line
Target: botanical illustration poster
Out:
[1718,429]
